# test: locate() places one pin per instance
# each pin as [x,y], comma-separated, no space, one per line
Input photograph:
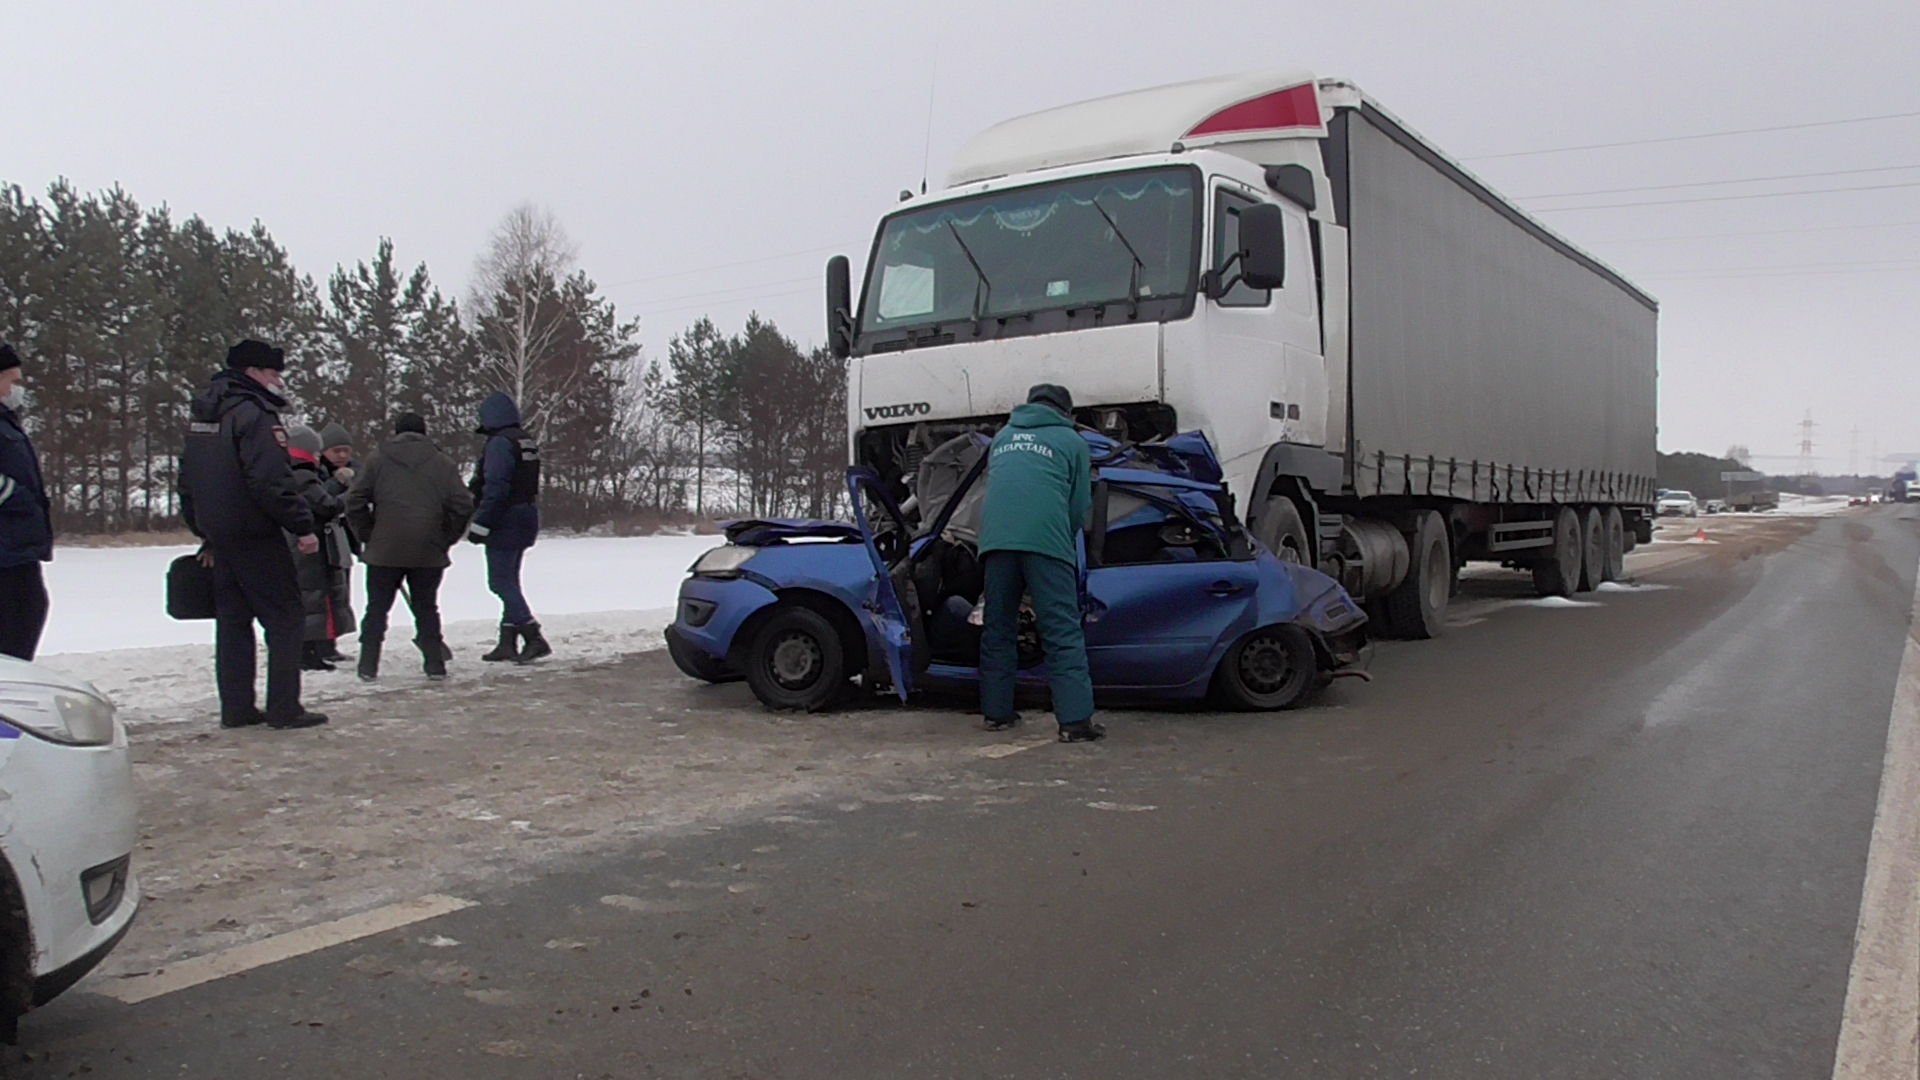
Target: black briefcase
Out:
[189,589]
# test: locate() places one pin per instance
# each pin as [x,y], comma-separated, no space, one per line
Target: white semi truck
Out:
[1400,369]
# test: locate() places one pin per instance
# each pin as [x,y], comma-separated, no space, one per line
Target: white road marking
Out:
[1880,1030]
[1122,808]
[254,954]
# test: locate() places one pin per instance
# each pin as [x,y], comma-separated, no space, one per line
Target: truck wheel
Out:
[1275,667]
[1615,529]
[1282,532]
[1593,549]
[796,661]
[1417,609]
[1558,571]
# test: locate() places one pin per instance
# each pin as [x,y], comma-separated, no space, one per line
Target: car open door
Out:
[883,528]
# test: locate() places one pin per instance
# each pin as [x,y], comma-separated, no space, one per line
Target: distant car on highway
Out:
[67,830]
[1860,500]
[1181,599]
[1716,506]
[1876,495]
[1677,504]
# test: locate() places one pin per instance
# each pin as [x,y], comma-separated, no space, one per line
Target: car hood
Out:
[765,532]
[19,671]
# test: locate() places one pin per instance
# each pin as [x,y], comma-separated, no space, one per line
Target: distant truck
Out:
[1906,486]
[1748,501]
[1400,369]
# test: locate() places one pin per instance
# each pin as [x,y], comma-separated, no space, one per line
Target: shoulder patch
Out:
[201,427]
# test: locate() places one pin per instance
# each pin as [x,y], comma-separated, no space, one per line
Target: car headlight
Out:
[56,714]
[723,561]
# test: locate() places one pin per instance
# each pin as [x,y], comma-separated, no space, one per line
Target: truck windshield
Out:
[1041,248]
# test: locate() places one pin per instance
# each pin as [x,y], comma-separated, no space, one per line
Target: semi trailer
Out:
[1400,370]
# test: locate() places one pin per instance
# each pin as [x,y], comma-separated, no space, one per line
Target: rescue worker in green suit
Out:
[1039,493]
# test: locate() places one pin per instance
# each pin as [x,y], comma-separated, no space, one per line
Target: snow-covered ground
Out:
[596,597]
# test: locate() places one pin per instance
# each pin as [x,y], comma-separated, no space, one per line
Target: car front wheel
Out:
[1274,667]
[796,661]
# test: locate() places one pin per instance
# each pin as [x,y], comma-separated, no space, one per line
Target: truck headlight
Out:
[56,714]
[723,561]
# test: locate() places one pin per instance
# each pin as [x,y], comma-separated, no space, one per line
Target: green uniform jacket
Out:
[1039,486]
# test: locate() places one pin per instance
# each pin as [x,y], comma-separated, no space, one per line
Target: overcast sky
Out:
[709,157]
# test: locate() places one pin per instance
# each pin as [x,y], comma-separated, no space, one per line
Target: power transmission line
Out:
[1763,232]
[1717,183]
[1701,135]
[1728,198]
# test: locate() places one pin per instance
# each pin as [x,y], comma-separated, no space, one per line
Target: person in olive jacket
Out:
[237,494]
[1039,496]
[408,506]
[26,526]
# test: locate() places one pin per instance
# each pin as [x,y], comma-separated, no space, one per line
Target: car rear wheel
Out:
[1274,667]
[698,663]
[796,661]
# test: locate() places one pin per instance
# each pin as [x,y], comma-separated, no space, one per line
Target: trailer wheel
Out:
[1558,571]
[1615,528]
[1417,608]
[1593,549]
[1282,532]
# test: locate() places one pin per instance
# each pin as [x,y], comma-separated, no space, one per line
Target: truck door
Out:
[1265,343]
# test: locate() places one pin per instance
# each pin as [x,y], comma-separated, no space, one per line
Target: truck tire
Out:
[1614,528]
[1281,530]
[1417,608]
[1593,548]
[1557,573]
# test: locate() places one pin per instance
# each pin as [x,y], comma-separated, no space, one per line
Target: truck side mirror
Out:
[1263,246]
[839,308]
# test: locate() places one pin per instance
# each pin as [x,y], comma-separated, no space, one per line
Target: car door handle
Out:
[1225,588]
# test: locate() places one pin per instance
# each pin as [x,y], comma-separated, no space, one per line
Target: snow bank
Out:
[597,598]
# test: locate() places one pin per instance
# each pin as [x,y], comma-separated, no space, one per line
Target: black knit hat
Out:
[1054,395]
[8,358]
[409,422]
[256,354]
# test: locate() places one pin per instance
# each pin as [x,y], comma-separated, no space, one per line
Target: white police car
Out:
[67,830]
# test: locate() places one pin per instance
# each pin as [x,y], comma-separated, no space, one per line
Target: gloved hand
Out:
[344,474]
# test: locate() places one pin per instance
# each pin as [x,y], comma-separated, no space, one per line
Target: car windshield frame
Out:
[954,232]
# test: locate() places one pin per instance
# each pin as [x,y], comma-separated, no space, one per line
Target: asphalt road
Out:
[1619,840]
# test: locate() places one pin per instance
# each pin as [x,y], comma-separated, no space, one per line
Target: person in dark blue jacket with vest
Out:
[506,491]
[26,525]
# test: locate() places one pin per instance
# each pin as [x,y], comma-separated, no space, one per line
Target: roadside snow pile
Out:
[1632,586]
[597,598]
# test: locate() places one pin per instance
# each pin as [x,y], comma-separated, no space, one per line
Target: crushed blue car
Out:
[1180,601]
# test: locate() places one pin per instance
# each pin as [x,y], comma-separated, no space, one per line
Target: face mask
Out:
[15,398]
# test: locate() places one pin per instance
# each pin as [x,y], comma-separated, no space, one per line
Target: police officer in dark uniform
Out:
[506,489]
[26,527]
[237,493]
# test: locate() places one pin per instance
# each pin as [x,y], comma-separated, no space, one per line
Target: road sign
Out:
[1734,477]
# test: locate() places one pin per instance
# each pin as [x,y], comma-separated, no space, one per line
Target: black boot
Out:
[533,645]
[330,651]
[310,658]
[1084,731]
[246,719]
[433,653]
[305,718]
[369,658]
[509,647]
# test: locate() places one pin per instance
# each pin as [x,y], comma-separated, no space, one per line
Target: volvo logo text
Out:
[895,412]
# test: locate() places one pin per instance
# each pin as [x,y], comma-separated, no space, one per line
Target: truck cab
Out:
[1400,370]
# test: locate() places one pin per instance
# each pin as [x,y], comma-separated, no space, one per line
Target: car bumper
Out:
[70,851]
[712,610]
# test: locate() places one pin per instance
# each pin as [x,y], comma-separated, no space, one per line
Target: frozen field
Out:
[596,597]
